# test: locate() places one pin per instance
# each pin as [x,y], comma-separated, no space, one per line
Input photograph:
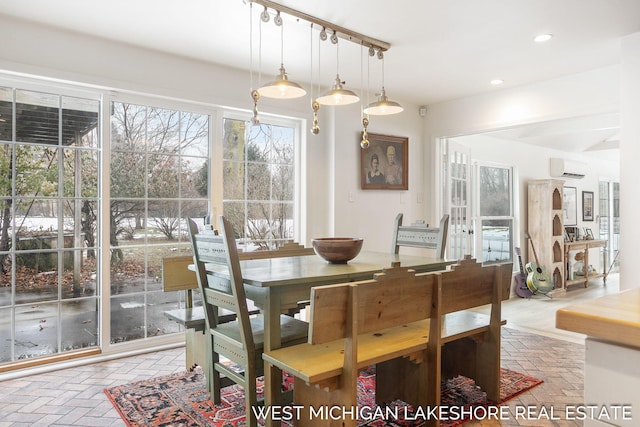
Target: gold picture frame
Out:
[384,165]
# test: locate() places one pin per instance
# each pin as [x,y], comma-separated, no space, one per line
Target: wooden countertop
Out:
[614,318]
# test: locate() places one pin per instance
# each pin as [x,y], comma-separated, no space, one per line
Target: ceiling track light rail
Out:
[341,32]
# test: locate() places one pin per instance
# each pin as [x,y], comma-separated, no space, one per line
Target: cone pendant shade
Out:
[338,95]
[282,87]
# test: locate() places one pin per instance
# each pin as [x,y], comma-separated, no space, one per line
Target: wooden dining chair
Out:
[420,235]
[242,340]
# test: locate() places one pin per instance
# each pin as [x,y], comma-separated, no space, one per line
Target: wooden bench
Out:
[378,320]
[403,323]
[176,276]
[462,340]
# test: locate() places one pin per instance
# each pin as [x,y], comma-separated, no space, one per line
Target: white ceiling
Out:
[440,50]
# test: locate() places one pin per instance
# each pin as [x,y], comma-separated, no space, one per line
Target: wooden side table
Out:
[585,245]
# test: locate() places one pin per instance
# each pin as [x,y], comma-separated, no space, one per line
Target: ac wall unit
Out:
[562,168]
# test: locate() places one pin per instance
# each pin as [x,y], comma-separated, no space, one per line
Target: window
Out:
[495,214]
[49,157]
[259,182]
[159,176]
[159,170]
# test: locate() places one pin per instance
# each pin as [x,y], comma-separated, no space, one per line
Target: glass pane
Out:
[128,174]
[164,220]
[127,318]
[6,326]
[235,213]
[79,119]
[128,270]
[128,127]
[72,217]
[233,180]
[37,217]
[193,209]
[36,171]
[158,323]
[89,225]
[259,144]
[154,266]
[36,330]
[283,145]
[164,176]
[495,193]
[6,279]
[79,321]
[496,241]
[194,129]
[80,173]
[36,276]
[127,220]
[233,140]
[283,182]
[37,117]
[79,277]
[259,223]
[163,131]
[194,178]
[258,182]
[282,227]
[6,172]
[6,114]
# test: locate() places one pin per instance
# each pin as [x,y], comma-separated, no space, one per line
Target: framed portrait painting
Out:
[384,165]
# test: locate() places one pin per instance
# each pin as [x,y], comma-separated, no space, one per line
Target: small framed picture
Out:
[384,165]
[588,234]
[587,205]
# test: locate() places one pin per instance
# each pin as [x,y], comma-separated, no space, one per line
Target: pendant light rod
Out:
[342,32]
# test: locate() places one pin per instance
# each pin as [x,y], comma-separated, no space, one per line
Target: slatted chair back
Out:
[242,340]
[419,235]
[218,292]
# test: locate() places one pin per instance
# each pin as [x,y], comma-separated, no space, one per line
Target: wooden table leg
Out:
[586,266]
[272,375]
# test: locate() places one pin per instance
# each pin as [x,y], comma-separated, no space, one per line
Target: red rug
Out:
[182,400]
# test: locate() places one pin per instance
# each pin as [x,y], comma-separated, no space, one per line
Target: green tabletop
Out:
[312,269]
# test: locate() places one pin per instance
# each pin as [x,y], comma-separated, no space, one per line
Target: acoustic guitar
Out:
[522,290]
[537,278]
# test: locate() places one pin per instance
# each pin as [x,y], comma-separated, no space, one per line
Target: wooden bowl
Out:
[337,250]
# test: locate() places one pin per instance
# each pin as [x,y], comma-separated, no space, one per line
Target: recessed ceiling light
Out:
[497,82]
[541,38]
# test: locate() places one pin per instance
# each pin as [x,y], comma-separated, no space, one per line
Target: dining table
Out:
[277,285]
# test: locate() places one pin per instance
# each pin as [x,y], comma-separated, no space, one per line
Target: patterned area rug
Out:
[181,399]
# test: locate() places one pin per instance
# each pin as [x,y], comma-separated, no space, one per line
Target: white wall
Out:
[629,161]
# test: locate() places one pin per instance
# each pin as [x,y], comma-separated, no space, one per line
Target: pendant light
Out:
[255,95]
[338,95]
[364,141]
[282,87]
[383,106]
[315,105]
